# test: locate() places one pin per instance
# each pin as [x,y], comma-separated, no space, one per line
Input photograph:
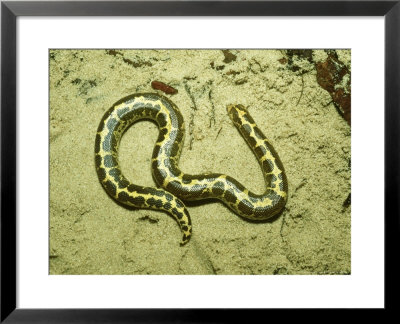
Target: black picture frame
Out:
[11,10]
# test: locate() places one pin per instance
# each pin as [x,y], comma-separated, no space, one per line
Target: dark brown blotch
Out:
[179,204]
[260,151]
[174,186]
[136,201]
[110,187]
[155,202]
[268,166]
[123,183]
[283,186]
[258,133]
[175,149]
[155,192]
[138,109]
[161,120]
[246,128]
[97,144]
[129,116]
[236,119]
[176,213]
[185,238]
[251,140]
[245,207]
[218,188]
[101,173]
[97,160]
[157,149]
[132,187]
[186,179]
[123,196]
[236,184]
[144,190]
[162,134]
[230,197]
[188,218]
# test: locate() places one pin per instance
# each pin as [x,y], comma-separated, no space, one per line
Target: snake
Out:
[173,185]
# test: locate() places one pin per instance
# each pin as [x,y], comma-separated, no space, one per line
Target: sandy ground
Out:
[91,234]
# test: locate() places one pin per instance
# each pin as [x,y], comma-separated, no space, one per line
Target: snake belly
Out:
[175,184]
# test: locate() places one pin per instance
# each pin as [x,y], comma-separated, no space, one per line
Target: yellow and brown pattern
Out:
[165,162]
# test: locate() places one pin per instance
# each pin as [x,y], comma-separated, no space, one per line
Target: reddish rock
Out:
[330,75]
[158,85]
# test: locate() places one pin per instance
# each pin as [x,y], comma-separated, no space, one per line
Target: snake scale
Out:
[175,185]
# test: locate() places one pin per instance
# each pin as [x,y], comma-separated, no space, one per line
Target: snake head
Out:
[236,111]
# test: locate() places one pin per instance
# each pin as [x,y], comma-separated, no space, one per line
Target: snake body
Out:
[172,181]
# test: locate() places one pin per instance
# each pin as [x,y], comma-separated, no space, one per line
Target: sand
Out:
[91,234]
